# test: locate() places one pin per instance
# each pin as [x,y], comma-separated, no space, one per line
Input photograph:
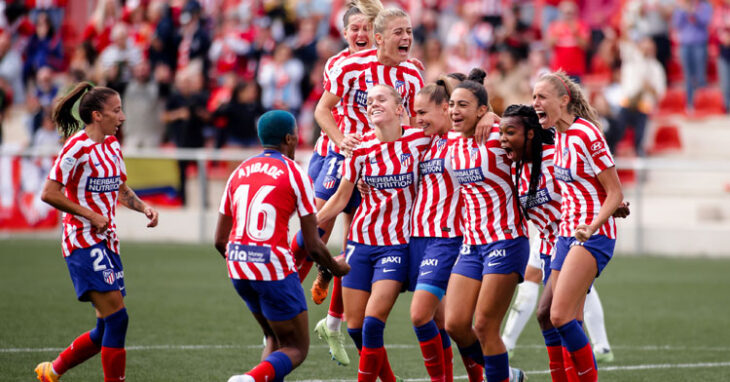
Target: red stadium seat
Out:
[666,138]
[674,102]
[708,101]
[674,71]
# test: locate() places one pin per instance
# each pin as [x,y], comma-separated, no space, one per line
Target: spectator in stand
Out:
[141,28]
[118,59]
[468,40]
[194,40]
[142,105]
[434,60]
[598,16]
[643,83]
[43,49]
[510,84]
[98,31]
[549,14]
[185,115]
[280,81]
[46,137]
[304,46]
[163,47]
[79,66]
[538,62]
[691,19]
[228,45]
[241,114]
[721,26]
[651,18]
[41,98]
[568,38]
[11,70]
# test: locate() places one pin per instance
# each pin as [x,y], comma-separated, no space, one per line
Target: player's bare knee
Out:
[420,316]
[558,317]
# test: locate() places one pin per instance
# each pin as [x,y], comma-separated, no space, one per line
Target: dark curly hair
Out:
[530,121]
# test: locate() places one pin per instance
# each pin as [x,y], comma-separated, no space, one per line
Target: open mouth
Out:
[376,112]
[508,150]
[541,116]
[404,48]
[361,44]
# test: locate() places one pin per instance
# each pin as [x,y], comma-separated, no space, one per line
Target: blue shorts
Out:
[545,260]
[599,246]
[96,268]
[279,300]
[315,165]
[431,260]
[500,257]
[328,179]
[371,263]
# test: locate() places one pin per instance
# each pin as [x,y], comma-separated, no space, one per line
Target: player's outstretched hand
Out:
[584,232]
[419,65]
[484,126]
[341,267]
[622,211]
[152,215]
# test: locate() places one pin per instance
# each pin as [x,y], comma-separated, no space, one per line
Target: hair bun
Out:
[477,75]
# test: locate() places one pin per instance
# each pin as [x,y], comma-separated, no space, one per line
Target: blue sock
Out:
[496,367]
[426,331]
[281,363]
[115,329]
[445,340]
[372,332]
[473,351]
[552,337]
[97,333]
[573,336]
[356,335]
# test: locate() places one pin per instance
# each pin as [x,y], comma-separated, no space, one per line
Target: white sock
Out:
[520,312]
[333,323]
[593,315]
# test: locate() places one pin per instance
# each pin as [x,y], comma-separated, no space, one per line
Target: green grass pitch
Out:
[667,319]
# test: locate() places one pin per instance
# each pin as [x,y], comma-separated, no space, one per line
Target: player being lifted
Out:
[252,234]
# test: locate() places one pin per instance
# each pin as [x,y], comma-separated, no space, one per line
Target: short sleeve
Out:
[352,165]
[65,164]
[303,189]
[226,205]
[335,81]
[597,154]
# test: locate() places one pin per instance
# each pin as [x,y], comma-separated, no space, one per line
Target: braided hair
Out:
[530,121]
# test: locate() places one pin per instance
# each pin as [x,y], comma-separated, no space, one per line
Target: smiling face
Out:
[111,118]
[465,111]
[548,104]
[383,106]
[358,33]
[394,44]
[431,117]
[512,137]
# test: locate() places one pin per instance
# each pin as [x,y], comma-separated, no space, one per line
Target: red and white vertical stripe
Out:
[437,210]
[81,163]
[390,169]
[543,208]
[581,153]
[484,172]
[323,141]
[351,78]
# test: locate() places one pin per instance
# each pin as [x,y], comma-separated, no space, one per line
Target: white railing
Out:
[635,193]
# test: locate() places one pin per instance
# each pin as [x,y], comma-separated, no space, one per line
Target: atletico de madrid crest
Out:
[474,153]
[329,182]
[109,276]
[406,159]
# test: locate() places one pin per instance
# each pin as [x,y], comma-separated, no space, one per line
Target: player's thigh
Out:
[354,302]
[293,332]
[575,278]
[461,299]
[382,298]
[423,307]
[106,303]
[495,296]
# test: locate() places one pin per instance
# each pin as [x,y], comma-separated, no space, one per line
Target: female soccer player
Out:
[591,193]
[386,160]
[85,182]
[260,197]
[346,90]
[493,258]
[436,230]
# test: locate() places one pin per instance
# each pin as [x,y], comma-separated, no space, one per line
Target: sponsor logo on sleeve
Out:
[68,163]
[108,184]
[597,148]
[248,253]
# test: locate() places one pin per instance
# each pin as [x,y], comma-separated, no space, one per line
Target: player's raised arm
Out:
[318,250]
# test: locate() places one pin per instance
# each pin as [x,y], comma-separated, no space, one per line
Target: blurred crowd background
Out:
[197,73]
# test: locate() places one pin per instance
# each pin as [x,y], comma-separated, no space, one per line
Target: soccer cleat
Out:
[45,372]
[241,378]
[335,340]
[320,287]
[603,355]
[518,375]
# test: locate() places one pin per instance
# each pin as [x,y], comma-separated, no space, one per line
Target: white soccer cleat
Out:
[241,378]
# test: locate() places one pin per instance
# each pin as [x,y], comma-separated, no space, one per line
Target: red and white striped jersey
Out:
[91,173]
[543,207]
[390,169]
[351,78]
[485,174]
[437,211]
[320,147]
[581,153]
[261,196]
